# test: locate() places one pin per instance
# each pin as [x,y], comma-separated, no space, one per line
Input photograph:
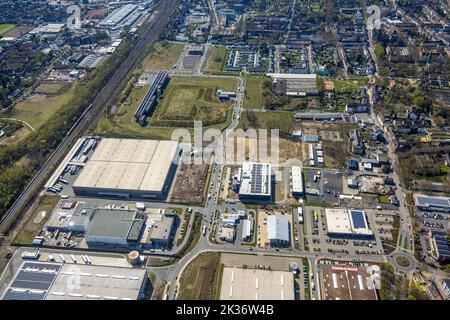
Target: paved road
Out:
[87,121]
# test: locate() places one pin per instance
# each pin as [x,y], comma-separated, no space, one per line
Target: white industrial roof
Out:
[127,164]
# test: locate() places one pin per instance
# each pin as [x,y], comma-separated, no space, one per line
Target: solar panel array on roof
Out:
[256,187]
[359,222]
[32,281]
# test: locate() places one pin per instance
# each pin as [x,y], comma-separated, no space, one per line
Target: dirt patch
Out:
[5,255]
[189,184]
[158,262]
[335,154]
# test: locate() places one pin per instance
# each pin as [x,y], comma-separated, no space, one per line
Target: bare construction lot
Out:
[189,183]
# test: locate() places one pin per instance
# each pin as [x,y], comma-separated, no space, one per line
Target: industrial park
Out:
[264,151]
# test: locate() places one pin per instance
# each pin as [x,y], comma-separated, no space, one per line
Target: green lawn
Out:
[194,99]
[163,56]
[123,124]
[216,59]
[254,92]
[5,28]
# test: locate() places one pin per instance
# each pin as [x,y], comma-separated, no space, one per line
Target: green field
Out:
[267,120]
[254,92]
[216,59]
[189,99]
[5,28]
[163,56]
[39,107]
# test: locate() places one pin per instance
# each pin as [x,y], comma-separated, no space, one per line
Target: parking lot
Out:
[323,186]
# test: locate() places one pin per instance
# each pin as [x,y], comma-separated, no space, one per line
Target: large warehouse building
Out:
[343,222]
[125,168]
[256,284]
[56,281]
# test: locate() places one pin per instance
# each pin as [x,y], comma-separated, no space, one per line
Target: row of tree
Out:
[33,150]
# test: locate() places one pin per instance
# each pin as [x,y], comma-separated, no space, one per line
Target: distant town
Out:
[224,150]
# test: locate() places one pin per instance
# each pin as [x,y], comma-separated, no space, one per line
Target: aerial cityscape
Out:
[225,150]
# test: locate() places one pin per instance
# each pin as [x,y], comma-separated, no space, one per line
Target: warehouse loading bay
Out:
[312,234]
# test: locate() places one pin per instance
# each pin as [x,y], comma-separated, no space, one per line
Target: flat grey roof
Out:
[164,226]
[115,223]
[96,283]
[278,228]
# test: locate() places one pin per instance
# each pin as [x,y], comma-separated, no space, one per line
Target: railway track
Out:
[88,120]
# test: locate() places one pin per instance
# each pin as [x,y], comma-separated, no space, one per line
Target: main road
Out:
[149,34]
